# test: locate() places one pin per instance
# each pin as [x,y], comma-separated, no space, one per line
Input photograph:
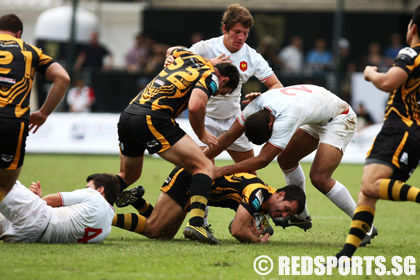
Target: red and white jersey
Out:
[295,106]
[85,217]
[80,99]
[249,63]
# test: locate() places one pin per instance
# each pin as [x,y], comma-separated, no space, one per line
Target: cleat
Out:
[370,235]
[293,221]
[129,196]
[200,234]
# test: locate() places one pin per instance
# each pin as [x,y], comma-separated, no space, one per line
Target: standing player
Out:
[395,153]
[148,123]
[80,216]
[293,122]
[18,63]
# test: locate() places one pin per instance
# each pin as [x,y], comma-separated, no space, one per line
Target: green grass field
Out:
[126,255]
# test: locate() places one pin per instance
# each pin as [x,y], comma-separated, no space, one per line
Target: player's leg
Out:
[130,168]
[187,154]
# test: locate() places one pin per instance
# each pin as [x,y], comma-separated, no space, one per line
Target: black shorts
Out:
[155,132]
[12,144]
[177,186]
[397,148]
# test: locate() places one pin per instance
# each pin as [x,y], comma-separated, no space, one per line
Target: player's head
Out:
[258,127]
[236,23]
[230,71]
[110,184]
[287,201]
[416,19]
[11,23]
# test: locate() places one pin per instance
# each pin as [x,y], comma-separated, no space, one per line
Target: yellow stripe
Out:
[366,208]
[399,149]
[114,220]
[141,224]
[199,198]
[412,194]
[196,212]
[165,144]
[353,240]
[383,189]
[15,162]
[396,189]
[127,220]
[360,225]
[169,186]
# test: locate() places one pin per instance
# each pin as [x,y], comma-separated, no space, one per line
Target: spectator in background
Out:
[156,60]
[92,56]
[346,66]
[374,58]
[136,57]
[81,97]
[291,57]
[319,59]
[392,50]
[364,118]
[267,48]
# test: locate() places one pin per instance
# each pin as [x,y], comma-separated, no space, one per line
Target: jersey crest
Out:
[243,66]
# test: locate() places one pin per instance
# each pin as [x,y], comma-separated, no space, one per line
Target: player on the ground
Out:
[245,193]
[80,216]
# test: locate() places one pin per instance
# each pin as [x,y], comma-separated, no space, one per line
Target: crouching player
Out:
[243,192]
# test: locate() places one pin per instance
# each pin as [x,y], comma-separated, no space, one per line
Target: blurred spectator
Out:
[267,48]
[346,66]
[81,97]
[196,37]
[374,58]
[392,50]
[319,59]
[155,63]
[136,57]
[291,56]
[92,56]
[364,118]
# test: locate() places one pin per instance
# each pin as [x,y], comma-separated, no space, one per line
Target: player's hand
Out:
[36,120]
[169,59]
[265,238]
[209,139]
[220,59]
[36,188]
[369,70]
[251,96]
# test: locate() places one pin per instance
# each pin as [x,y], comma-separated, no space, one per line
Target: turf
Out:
[125,255]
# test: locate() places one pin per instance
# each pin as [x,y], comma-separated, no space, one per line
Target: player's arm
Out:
[61,80]
[266,155]
[196,114]
[225,140]
[244,230]
[271,83]
[53,200]
[389,81]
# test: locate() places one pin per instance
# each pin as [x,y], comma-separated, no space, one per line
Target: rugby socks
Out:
[341,197]
[360,226]
[295,176]
[143,207]
[200,192]
[129,221]
[398,191]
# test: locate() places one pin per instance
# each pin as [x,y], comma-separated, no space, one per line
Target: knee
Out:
[368,189]
[318,179]
[285,162]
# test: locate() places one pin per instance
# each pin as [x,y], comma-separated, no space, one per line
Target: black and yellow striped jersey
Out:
[170,90]
[18,63]
[404,103]
[228,191]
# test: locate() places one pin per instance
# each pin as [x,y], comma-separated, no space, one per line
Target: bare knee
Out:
[370,189]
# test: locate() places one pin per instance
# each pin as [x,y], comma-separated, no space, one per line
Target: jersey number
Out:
[6,58]
[95,232]
[287,90]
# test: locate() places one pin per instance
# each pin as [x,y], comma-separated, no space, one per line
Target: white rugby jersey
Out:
[249,63]
[85,217]
[295,106]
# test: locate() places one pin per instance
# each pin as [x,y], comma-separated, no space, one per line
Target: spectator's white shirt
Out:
[295,106]
[292,57]
[249,63]
[81,99]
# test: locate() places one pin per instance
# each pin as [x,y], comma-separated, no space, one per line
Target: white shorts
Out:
[337,132]
[219,126]
[24,216]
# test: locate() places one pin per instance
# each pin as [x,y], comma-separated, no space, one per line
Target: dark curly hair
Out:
[257,127]
[109,182]
[293,192]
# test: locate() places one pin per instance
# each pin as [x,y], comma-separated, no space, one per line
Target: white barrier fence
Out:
[86,133]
